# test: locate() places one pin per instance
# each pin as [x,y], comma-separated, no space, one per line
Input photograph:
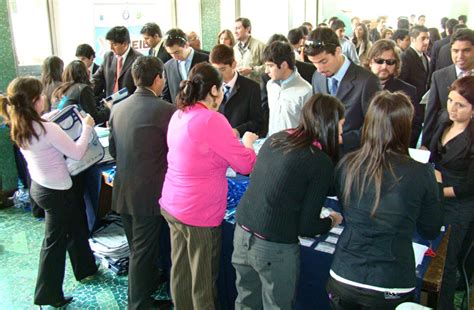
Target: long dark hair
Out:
[75,72]
[51,70]
[18,109]
[386,131]
[365,37]
[199,84]
[319,122]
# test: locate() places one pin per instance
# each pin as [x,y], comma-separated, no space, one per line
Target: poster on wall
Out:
[132,16]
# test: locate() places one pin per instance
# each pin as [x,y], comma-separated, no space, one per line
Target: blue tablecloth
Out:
[314,265]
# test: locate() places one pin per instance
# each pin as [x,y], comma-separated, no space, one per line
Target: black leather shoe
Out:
[65,301]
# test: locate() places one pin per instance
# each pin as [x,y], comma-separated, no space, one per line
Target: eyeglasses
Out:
[389,62]
[317,44]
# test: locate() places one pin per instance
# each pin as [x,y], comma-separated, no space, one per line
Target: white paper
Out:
[325,247]
[419,251]
[337,230]
[307,242]
[331,239]
[423,156]
[104,141]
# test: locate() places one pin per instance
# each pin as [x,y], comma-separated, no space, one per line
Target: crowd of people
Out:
[338,113]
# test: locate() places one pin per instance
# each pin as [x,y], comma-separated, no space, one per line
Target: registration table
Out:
[315,264]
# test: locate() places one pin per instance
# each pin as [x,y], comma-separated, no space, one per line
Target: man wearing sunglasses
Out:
[338,76]
[384,61]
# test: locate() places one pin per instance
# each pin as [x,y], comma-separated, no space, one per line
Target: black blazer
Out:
[355,91]
[83,96]
[435,52]
[374,35]
[444,58]
[394,85]
[413,72]
[306,70]
[378,250]
[437,101]
[138,128]
[104,78]
[173,78]
[243,108]
[95,67]
[162,53]
[455,160]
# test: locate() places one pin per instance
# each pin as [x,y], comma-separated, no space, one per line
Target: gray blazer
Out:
[138,129]
[437,101]
[355,91]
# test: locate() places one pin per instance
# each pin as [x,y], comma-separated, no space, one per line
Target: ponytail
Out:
[19,111]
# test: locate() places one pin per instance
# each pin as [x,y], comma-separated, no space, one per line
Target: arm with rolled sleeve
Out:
[223,142]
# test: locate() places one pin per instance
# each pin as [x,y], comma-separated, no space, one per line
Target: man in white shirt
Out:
[287,90]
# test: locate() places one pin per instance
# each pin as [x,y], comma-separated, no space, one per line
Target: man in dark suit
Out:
[462,54]
[241,104]
[115,72]
[184,58]
[138,128]
[444,56]
[337,76]
[152,36]
[86,54]
[374,34]
[440,43]
[384,62]
[415,65]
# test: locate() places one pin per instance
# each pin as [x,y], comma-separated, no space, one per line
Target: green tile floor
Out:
[21,236]
[20,240]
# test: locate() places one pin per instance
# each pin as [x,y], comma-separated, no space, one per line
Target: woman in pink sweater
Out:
[201,146]
[44,145]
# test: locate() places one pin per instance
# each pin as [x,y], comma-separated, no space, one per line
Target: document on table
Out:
[419,250]
[307,242]
[422,156]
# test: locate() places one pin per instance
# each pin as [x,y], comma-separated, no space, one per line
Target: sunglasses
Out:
[389,62]
[317,44]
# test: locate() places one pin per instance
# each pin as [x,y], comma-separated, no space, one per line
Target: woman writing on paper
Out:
[44,145]
[385,195]
[288,186]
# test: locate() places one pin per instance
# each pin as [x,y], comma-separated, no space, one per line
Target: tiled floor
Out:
[20,241]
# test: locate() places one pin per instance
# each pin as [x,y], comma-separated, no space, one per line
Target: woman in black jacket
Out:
[76,89]
[452,151]
[385,195]
[290,181]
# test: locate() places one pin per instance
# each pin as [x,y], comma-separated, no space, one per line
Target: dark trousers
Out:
[143,236]
[458,216]
[348,297]
[195,257]
[65,229]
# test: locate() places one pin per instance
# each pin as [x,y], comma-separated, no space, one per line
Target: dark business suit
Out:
[306,70]
[95,67]
[413,71]
[161,54]
[104,78]
[455,161]
[355,91]
[243,108]
[444,58]
[394,85]
[437,101]
[374,35]
[435,52]
[173,77]
[138,128]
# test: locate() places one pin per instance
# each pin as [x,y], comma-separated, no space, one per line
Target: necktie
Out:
[464,74]
[151,52]
[425,62]
[182,69]
[333,86]
[242,48]
[117,73]
[226,93]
